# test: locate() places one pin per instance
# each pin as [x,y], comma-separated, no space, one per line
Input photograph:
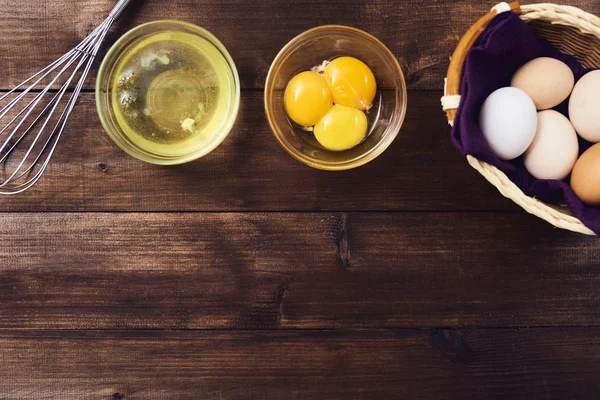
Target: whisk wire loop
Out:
[24,156]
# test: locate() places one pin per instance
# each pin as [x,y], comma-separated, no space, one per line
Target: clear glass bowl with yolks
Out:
[326,43]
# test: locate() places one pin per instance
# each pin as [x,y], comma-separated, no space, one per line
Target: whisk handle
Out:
[119,8]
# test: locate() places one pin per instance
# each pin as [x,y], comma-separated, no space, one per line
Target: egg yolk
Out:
[352,82]
[307,98]
[341,128]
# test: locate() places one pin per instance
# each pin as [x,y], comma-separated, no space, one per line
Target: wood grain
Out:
[249,33]
[496,363]
[423,35]
[251,172]
[247,275]
[293,270]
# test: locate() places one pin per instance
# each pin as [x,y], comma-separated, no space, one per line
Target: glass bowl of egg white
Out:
[335,97]
[168,92]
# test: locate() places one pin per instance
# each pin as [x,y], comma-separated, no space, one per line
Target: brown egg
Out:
[585,179]
[546,80]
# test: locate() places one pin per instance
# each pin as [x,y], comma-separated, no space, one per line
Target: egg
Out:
[584,107]
[352,82]
[307,98]
[508,119]
[547,81]
[341,128]
[554,149]
[585,179]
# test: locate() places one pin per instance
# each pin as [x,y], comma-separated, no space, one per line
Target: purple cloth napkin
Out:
[507,44]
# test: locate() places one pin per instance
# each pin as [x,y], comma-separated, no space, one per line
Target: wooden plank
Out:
[293,270]
[422,34]
[250,171]
[516,364]
[253,34]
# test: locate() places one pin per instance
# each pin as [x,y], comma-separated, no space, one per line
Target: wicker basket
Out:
[573,32]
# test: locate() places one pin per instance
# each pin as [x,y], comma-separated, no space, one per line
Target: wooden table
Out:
[248,275]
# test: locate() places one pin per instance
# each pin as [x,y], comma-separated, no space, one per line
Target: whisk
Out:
[30,128]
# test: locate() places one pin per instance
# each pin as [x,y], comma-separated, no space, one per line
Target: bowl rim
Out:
[136,151]
[375,151]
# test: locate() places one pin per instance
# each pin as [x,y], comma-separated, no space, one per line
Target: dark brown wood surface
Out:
[304,364]
[246,275]
[250,171]
[293,271]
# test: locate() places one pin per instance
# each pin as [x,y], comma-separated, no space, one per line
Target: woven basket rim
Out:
[587,23]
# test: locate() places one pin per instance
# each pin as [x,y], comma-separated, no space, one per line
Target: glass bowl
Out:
[217,127]
[310,49]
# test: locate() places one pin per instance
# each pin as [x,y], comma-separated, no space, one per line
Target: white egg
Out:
[508,120]
[554,149]
[584,107]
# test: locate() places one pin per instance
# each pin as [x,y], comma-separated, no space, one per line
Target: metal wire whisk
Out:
[30,128]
